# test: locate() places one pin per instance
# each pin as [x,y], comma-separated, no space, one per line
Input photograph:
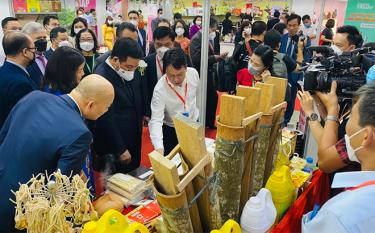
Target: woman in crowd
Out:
[196,27]
[109,33]
[181,31]
[327,33]
[87,43]
[245,32]
[78,24]
[64,71]
[260,65]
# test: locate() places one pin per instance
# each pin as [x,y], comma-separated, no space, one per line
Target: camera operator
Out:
[332,151]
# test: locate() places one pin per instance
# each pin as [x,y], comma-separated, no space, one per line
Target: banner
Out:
[87,4]
[19,6]
[361,13]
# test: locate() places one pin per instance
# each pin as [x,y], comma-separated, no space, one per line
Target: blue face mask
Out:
[307,25]
[253,71]
[370,74]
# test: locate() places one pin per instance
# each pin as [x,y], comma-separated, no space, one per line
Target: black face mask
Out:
[41,45]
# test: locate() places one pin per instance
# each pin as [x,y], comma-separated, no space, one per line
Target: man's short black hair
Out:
[246,17]
[354,36]
[276,14]
[14,43]
[366,96]
[258,28]
[306,17]
[133,12]
[48,18]
[125,26]
[292,17]
[163,20]
[213,22]
[174,57]
[161,32]
[280,27]
[160,10]
[272,38]
[5,21]
[177,16]
[55,32]
[126,47]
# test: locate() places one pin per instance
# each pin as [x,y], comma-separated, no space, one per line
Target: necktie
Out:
[41,58]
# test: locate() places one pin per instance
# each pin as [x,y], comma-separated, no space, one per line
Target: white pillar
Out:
[101,14]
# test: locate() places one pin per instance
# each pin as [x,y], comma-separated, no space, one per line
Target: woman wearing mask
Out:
[260,66]
[77,25]
[87,43]
[182,35]
[244,33]
[196,27]
[109,33]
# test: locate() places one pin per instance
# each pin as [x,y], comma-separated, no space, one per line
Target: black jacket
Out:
[120,129]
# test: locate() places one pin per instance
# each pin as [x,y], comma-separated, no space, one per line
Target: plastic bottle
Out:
[283,191]
[309,165]
[259,213]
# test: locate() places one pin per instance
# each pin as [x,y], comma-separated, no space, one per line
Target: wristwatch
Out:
[313,117]
[333,118]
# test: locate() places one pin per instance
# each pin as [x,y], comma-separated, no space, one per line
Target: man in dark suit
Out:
[39,35]
[134,19]
[124,30]
[44,133]
[15,81]
[59,37]
[195,52]
[118,133]
[274,20]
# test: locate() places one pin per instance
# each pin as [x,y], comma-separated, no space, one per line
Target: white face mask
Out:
[134,22]
[65,43]
[247,31]
[76,30]
[351,151]
[336,50]
[198,23]
[86,46]
[212,35]
[180,31]
[110,22]
[161,51]
[125,74]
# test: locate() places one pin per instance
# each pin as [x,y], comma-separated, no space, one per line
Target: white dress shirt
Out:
[159,68]
[350,211]
[166,104]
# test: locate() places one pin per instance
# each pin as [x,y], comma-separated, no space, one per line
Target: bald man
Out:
[45,132]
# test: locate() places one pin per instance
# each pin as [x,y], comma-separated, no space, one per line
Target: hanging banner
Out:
[361,13]
[87,4]
[33,6]
[19,6]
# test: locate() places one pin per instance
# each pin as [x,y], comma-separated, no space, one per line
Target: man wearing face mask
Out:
[59,37]
[15,81]
[354,209]
[309,29]
[119,132]
[195,52]
[38,34]
[8,24]
[347,39]
[154,22]
[163,41]
[50,22]
[134,19]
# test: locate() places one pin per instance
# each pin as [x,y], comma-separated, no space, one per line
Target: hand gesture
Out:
[307,102]
[330,100]
[125,158]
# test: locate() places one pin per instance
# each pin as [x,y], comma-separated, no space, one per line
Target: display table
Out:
[318,192]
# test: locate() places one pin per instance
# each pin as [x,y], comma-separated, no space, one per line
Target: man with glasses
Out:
[8,24]
[15,81]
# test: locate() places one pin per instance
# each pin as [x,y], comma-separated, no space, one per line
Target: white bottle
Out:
[259,213]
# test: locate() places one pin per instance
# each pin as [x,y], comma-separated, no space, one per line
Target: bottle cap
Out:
[309,160]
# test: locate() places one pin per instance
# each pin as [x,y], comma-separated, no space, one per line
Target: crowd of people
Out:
[63,105]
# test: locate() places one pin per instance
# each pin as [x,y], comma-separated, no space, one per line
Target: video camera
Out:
[347,69]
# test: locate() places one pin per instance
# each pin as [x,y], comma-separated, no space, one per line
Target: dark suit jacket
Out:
[48,53]
[271,22]
[15,83]
[35,73]
[101,59]
[195,53]
[120,129]
[142,32]
[43,133]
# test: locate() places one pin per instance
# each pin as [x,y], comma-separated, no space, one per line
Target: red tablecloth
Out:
[318,192]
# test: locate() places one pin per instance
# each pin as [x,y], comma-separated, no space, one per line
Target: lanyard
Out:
[159,64]
[92,66]
[183,99]
[368,183]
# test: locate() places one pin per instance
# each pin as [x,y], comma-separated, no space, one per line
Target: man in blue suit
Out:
[45,132]
[289,46]
[134,19]
[38,34]
[15,81]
